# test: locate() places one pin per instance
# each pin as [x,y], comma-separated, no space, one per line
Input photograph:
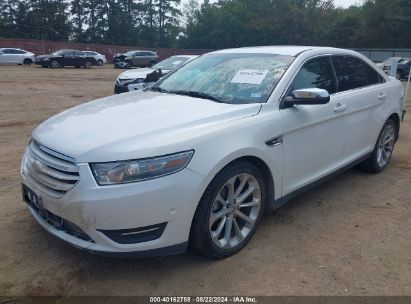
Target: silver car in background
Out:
[101,59]
[136,79]
[16,56]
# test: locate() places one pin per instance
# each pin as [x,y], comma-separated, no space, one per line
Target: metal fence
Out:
[378,55]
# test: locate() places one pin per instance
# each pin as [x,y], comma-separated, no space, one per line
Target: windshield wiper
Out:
[158,89]
[197,95]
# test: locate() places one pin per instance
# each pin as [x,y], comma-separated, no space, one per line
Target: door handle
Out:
[382,96]
[340,107]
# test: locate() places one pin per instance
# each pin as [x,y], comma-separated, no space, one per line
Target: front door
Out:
[314,135]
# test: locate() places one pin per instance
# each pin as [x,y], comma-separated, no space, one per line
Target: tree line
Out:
[210,24]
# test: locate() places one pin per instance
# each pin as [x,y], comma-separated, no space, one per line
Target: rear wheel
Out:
[151,63]
[27,61]
[383,149]
[88,64]
[54,64]
[229,211]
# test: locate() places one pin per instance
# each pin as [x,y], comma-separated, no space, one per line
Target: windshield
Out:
[171,63]
[58,53]
[229,78]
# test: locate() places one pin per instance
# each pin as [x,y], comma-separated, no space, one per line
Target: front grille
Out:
[51,171]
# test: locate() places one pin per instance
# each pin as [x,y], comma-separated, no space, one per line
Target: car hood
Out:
[135,125]
[136,73]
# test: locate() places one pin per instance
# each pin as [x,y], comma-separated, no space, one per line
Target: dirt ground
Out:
[350,236]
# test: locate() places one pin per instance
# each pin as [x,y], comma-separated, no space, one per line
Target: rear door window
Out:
[350,73]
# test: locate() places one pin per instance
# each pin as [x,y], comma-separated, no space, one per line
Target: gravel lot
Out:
[350,236]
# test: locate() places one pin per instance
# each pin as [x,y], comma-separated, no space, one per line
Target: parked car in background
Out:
[16,56]
[403,66]
[199,157]
[136,79]
[137,58]
[100,58]
[64,58]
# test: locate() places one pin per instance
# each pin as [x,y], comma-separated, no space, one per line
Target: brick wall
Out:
[44,47]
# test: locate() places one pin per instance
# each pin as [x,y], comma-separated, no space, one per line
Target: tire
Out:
[151,64]
[54,64]
[88,64]
[129,64]
[209,233]
[399,75]
[27,61]
[383,149]
[100,62]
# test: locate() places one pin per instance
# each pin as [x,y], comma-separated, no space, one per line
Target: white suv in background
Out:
[16,56]
[202,154]
[100,58]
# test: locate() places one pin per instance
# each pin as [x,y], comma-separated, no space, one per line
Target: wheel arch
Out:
[261,165]
[396,118]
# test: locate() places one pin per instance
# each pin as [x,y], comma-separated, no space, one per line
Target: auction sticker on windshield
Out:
[249,76]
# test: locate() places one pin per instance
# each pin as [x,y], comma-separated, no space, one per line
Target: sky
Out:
[338,3]
[346,3]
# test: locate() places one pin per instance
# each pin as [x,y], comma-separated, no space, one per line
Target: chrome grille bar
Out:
[51,171]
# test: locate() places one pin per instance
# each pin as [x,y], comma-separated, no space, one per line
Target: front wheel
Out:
[229,211]
[27,61]
[383,149]
[99,62]
[54,64]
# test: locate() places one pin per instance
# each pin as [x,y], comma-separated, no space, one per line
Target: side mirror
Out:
[311,96]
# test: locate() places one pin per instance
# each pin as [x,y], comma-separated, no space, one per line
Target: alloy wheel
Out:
[385,145]
[54,64]
[235,211]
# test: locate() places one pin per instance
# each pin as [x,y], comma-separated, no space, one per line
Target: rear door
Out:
[7,56]
[18,56]
[314,135]
[138,58]
[362,92]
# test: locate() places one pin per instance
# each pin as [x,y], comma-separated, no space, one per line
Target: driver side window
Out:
[316,73]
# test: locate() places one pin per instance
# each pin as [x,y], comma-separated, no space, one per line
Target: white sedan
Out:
[16,56]
[135,79]
[100,58]
[200,156]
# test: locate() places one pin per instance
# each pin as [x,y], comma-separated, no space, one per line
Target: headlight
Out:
[138,170]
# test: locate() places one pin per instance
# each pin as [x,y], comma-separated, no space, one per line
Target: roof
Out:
[189,56]
[290,50]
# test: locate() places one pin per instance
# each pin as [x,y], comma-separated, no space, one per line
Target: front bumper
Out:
[118,89]
[127,207]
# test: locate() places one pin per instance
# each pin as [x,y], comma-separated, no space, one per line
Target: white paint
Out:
[317,141]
